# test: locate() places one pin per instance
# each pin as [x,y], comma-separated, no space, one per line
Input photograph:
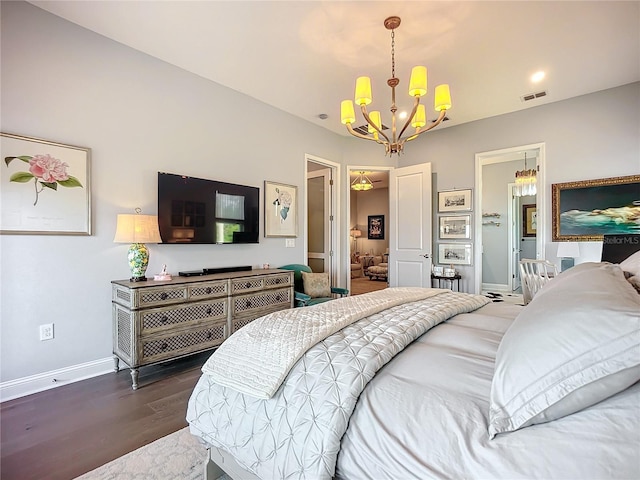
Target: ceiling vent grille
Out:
[364,130]
[533,96]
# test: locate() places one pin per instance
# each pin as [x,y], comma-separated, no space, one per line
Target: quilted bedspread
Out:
[297,432]
[256,359]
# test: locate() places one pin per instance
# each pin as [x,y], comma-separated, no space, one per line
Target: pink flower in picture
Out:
[45,171]
[48,168]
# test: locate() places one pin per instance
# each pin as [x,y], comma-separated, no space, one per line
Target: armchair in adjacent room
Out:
[312,288]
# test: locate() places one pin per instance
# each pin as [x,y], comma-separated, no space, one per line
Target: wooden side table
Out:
[440,278]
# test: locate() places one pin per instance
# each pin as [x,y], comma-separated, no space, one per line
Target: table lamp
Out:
[567,252]
[137,229]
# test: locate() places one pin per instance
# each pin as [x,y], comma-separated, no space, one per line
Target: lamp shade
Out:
[420,118]
[442,98]
[137,229]
[375,120]
[363,91]
[355,233]
[347,114]
[418,81]
[568,250]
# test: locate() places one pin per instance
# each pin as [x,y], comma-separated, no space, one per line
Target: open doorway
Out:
[368,229]
[321,228]
[508,227]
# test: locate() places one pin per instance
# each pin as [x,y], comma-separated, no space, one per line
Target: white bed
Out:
[555,397]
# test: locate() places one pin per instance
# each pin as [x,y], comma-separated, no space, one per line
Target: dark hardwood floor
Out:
[67,431]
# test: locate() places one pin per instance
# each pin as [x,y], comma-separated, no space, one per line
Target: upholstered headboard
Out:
[615,248]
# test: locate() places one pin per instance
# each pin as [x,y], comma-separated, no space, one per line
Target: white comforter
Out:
[297,432]
[257,358]
[435,399]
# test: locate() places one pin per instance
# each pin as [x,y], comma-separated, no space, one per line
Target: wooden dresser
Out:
[156,322]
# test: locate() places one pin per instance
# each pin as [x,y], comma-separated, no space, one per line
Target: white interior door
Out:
[320,220]
[514,222]
[410,226]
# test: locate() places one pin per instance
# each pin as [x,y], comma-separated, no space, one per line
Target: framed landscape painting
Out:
[457,226]
[44,187]
[586,210]
[454,201]
[455,253]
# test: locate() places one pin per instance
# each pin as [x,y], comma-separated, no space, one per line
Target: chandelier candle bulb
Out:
[442,98]
[363,91]
[347,114]
[418,81]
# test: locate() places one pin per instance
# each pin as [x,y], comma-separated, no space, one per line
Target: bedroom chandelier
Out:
[417,118]
[525,181]
[361,183]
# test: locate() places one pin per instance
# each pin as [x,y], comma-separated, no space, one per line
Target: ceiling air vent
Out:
[533,96]
[363,130]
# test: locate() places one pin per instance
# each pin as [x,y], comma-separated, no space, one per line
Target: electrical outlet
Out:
[46,331]
[290,242]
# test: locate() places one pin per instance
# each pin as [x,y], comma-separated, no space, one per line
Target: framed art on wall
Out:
[454,201]
[375,227]
[455,253]
[44,187]
[586,210]
[529,220]
[280,210]
[458,226]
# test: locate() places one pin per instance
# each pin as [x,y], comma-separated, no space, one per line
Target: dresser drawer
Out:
[155,349]
[249,284]
[281,280]
[249,307]
[204,290]
[148,297]
[157,319]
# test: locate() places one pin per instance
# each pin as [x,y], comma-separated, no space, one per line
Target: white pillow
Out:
[575,344]
[631,268]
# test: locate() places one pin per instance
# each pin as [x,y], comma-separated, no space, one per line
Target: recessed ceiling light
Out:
[537,77]
[402,115]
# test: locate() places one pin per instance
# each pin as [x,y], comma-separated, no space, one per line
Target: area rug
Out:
[178,456]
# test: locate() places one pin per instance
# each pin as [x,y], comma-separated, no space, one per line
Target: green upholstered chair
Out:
[301,298]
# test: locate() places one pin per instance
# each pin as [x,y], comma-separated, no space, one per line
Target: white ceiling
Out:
[303,56]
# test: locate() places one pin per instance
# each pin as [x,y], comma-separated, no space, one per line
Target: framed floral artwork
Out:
[44,187]
[280,210]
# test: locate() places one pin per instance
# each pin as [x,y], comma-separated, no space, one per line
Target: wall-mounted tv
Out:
[195,210]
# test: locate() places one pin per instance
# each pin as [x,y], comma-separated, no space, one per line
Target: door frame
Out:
[346,261]
[334,226]
[500,156]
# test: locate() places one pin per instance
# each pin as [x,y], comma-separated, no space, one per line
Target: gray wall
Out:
[139,116]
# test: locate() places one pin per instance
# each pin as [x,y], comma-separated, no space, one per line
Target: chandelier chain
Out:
[393,54]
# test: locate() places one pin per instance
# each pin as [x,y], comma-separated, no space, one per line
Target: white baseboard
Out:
[495,287]
[55,378]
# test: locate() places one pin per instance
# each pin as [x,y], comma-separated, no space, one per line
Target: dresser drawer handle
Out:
[163,296]
[209,335]
[164,319]
[248,285]
[164,346]
[248,304]
[278,298]
[209,311]
[208,290]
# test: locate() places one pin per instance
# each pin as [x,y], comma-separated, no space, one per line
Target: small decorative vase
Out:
[138,257]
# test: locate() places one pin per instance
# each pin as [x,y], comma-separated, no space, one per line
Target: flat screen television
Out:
[195,210]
